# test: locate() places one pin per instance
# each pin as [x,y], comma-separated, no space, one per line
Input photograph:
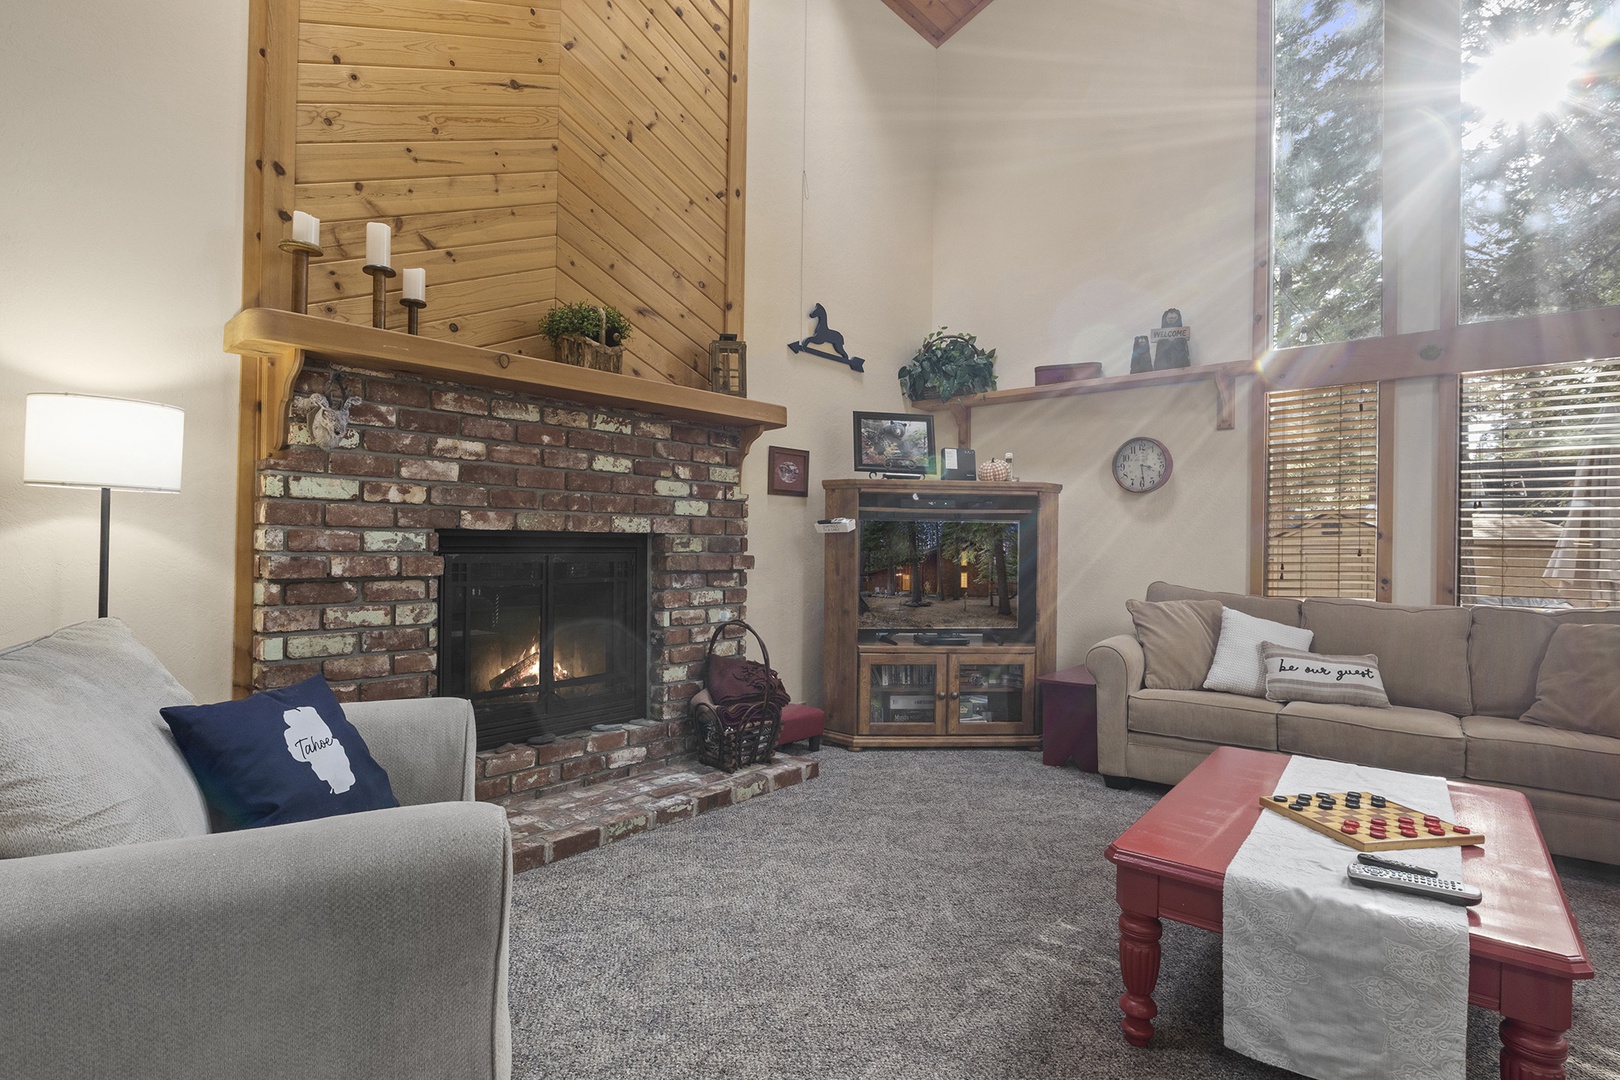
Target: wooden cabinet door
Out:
[902,693]
[990,692]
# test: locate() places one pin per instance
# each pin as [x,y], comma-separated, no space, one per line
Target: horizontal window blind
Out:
[1322,492]
[1538,486]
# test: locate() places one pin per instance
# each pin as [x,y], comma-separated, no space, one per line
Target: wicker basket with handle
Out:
[737,733]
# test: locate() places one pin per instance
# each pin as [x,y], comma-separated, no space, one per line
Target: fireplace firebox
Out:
[546,633]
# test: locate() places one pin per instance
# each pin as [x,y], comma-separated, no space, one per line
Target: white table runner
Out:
[1336,981]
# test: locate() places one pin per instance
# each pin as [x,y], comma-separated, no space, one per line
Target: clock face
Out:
[1141,465]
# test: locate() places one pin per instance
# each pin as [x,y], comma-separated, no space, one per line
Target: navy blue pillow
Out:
[279,756]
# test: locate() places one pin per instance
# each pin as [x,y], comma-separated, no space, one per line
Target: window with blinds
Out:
[1538,484]
[1322,531]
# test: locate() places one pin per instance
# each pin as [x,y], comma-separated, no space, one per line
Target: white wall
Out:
[120,254]
[840,171]
[1092,166]
[1096,166]
[1079,173]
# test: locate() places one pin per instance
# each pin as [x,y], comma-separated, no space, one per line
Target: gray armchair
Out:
[367,945]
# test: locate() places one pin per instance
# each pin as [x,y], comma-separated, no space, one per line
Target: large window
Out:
[1538,484]
[1540,157]
[1327,244]
[1323,534]
[1468,165]
[1444,199]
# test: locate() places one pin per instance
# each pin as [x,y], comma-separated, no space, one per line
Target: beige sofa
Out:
[1458,680]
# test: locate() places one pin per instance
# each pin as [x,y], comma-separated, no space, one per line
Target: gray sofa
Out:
[138,944]
[1458,680]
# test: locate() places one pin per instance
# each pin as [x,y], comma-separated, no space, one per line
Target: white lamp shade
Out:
[78,440]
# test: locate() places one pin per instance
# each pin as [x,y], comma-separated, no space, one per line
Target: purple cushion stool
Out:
[802,722]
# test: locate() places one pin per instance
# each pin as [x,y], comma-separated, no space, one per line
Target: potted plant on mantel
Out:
[948,365]
[587,335]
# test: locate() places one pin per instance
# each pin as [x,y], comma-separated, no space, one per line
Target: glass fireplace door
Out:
[545,641]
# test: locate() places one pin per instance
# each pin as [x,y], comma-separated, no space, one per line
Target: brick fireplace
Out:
[347,570]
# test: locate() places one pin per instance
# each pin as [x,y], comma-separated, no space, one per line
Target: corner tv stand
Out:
[953,669]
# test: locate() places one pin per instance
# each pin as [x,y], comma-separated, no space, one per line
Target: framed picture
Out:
[897,443]
[789,472]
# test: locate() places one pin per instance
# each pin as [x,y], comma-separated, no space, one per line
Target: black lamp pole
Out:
[106,520]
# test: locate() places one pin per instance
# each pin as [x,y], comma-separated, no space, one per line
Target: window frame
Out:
[1259,487]
[1446,351]
[1448,557]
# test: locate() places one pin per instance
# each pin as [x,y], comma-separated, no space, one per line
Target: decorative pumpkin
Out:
[995,469]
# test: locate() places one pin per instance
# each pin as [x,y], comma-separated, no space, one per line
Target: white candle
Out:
[306,229]
[377,243]
[414,283]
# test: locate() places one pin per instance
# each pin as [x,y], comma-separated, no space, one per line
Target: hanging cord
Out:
[804,151]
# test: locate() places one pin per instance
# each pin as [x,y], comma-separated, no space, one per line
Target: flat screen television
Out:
[947,566]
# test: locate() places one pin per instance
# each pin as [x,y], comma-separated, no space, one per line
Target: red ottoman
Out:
[802,722]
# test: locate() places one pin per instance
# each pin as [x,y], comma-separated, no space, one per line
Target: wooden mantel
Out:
[279,340]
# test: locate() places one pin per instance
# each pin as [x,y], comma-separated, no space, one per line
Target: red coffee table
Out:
[1524,951]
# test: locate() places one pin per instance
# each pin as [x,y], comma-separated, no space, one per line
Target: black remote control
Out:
[1452,892]
[1390,864]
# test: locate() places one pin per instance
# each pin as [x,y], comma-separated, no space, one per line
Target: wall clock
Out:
[1141,465]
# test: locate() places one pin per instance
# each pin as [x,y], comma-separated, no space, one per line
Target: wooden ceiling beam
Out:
[937,20]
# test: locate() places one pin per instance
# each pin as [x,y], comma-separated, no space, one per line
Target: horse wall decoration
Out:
[826,335]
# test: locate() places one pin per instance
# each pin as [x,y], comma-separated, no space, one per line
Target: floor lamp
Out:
[78,440]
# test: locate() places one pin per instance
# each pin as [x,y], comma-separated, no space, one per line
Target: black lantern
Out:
[728,366]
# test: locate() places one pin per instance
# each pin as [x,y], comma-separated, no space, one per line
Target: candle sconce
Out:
[301,253]
[412,309]
[379,286]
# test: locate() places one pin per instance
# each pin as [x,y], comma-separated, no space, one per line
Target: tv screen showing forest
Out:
[931,573]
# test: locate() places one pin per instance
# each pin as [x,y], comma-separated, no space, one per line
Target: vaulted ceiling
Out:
[937,20]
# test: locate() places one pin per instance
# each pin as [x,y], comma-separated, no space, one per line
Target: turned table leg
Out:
[1139,964]
[1532,1053]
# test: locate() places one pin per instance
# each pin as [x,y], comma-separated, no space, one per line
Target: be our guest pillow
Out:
[279,756]
[1297,675]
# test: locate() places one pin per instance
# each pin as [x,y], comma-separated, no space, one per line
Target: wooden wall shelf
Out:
[1224,376]
[279,341]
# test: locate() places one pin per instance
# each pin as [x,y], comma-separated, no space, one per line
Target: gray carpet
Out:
[911,915]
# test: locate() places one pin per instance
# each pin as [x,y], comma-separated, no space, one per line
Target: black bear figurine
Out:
[1141,358]
[1172,352]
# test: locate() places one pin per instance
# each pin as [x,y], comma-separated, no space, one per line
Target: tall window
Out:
[1375,104]
[1327,245]
[1540,157]
[1322,528]
[1539,486]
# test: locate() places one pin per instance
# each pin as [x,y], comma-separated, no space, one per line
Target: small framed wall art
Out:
[789,472]
[894,444]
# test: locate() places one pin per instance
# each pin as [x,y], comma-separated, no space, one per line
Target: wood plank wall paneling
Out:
[440,118]
[645,160]
[523,152]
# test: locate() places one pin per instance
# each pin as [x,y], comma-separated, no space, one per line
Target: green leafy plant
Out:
[952,365]
[584,319]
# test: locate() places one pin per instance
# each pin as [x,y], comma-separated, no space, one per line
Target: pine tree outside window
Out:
[1523,93]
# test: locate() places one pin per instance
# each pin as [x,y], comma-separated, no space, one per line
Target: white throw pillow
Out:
[1238,667]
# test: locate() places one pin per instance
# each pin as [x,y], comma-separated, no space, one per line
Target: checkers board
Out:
[1369,822]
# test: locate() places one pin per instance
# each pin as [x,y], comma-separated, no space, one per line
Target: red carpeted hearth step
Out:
[562,823]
